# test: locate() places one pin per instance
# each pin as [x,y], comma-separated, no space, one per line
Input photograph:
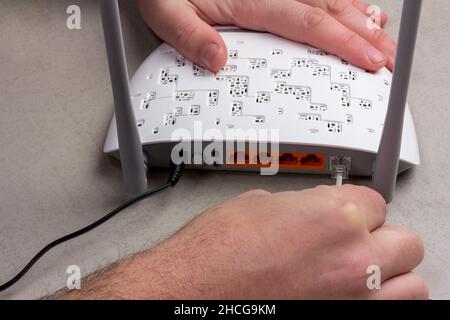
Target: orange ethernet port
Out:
[313,161]
[305,161]
[245,160]
[288,159]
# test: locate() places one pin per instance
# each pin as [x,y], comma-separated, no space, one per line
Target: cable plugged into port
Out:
[340,169]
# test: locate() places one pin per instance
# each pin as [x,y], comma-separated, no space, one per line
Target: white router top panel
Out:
[313,98]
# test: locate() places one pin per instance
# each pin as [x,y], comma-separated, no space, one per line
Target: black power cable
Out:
[174,177]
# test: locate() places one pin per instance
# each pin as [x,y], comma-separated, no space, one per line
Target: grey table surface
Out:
[56,105]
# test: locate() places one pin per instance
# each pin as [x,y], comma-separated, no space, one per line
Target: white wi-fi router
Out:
[328,114]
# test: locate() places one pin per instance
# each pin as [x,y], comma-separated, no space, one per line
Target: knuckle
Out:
[351,267]
[357,261]
[256,193]
[419,289]
[367,192]
[379,36]
[423,291]
[414,246]
[343,208]
[253,14]
[349,215]
[247,12]
[329,193]
[184,33]
[350,41]
[313,17]
[362,192]
[409,244]
[327,190]
[337,6]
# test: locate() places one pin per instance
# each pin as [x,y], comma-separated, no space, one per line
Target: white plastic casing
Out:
[313,98]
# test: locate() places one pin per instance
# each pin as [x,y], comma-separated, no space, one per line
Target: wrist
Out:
[156,274]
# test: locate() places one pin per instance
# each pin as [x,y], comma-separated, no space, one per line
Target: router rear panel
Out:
[159,155]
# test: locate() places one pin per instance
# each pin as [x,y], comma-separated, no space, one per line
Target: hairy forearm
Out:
[160,273]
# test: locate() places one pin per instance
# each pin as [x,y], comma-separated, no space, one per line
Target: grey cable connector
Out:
[340,169]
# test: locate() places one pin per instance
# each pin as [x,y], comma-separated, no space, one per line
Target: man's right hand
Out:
[312,244]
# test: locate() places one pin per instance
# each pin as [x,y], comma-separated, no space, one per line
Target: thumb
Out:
[180,26]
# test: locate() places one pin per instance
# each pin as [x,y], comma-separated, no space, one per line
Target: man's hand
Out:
[313,244]
[336,26]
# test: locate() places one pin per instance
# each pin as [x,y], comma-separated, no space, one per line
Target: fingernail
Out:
[375,56]
[209,54]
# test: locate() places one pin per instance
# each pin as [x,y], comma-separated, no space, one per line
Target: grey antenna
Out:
[387,162]
[131,153]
